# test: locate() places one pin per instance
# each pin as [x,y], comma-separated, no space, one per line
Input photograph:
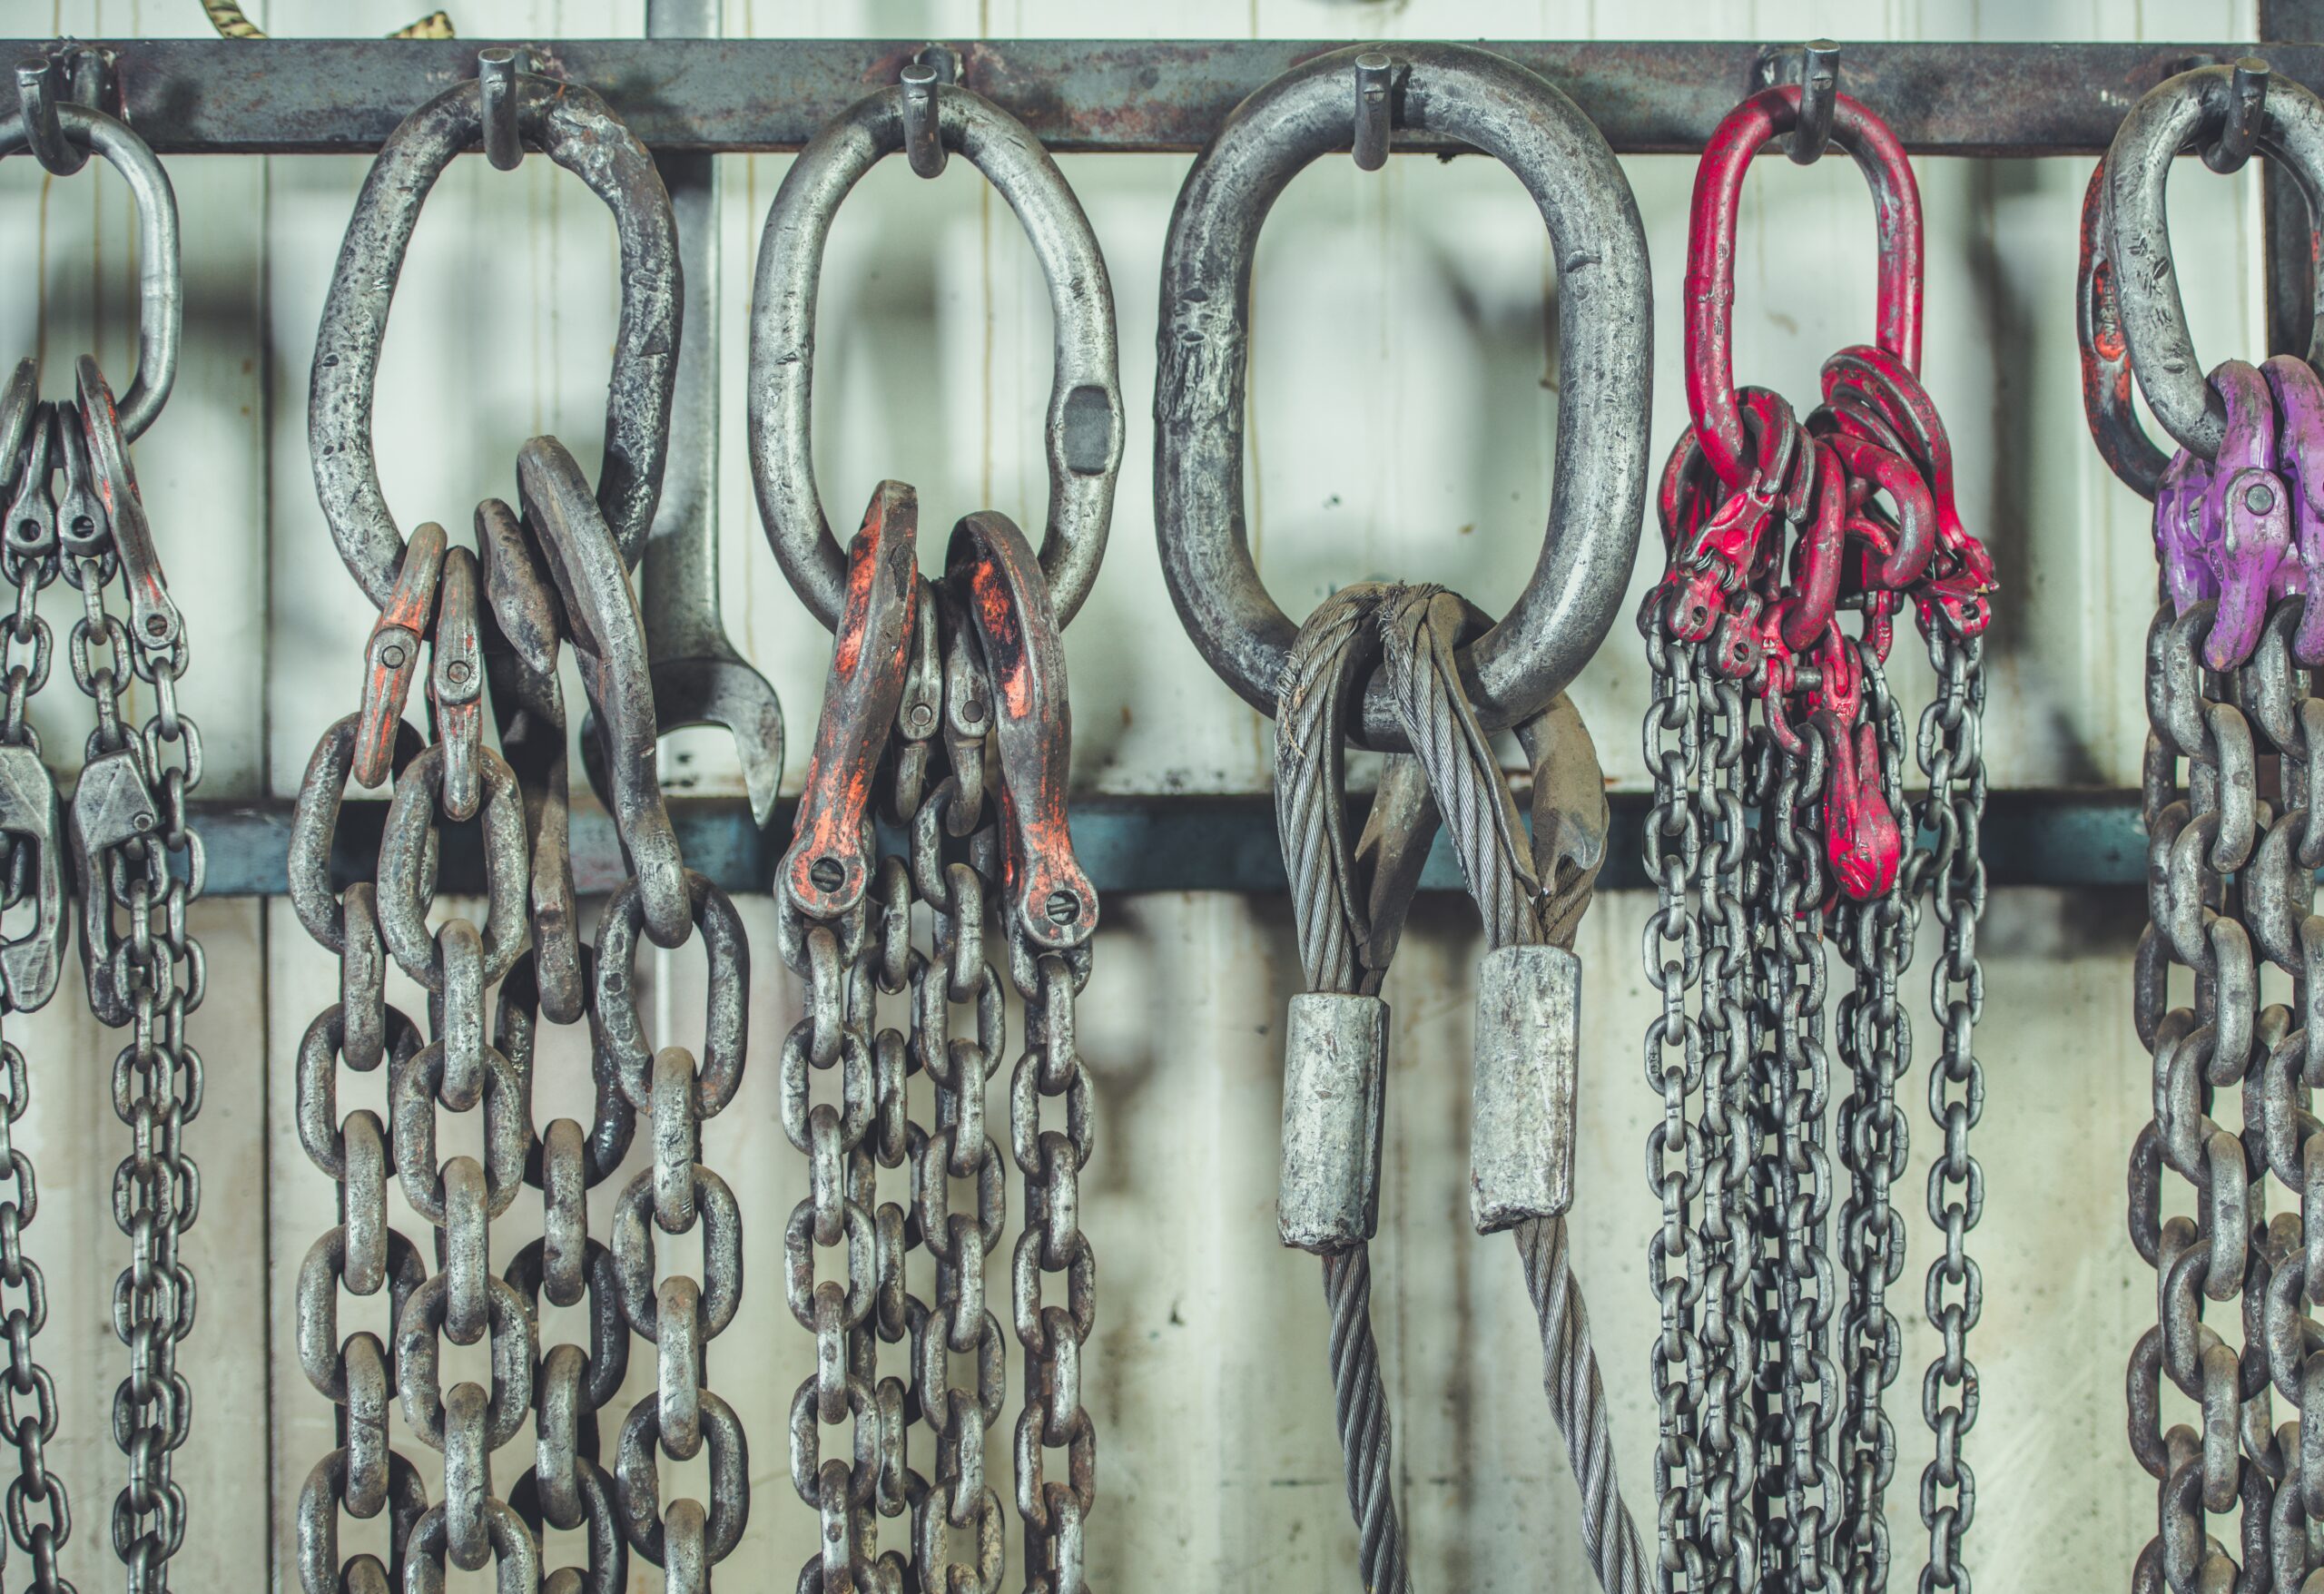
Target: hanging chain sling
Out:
[1767,836]
[946,715]
[74,511]
[2231,806]
[550,577]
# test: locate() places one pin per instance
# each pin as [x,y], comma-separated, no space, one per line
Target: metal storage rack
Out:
[285,97]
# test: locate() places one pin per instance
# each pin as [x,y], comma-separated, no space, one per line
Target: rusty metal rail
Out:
[1170,843]
[344,96]
[212,96]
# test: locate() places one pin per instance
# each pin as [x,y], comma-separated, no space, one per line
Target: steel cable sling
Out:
[1776,757]
[946,713]
[2235,828]
[547,576]
[1335,1048]
[74,511]
[1356,99]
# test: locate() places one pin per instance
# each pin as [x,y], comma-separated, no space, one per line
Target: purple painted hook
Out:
[2299,461]
[2223,528]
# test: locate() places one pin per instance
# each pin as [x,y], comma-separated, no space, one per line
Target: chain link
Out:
[1951,750]
[1798,1384]
[38,1509]
[1875,1042]
[2230,874]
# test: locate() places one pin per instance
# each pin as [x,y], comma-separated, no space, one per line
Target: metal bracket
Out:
[2247,102]
[1815,66]
[81,74]
[933,68]
[1375,85]
[496,72]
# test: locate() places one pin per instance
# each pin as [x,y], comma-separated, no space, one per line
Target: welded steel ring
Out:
[1083,432]
[161,291]
[2114,425]
[1604,353]
[1708,306]
[573,128]
[2177,115]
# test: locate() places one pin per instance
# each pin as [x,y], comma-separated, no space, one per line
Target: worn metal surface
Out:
[1082,434]
[1526,1068]
[1334,1061]
[1169,844]
[573,128]
[1604,348]
[1658,97]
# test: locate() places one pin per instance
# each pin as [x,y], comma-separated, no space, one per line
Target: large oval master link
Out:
[1083,433]
[573,127]
[1604,352]
[2189,109]
[161,291]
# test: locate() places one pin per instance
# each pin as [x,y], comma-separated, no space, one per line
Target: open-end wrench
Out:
[698,677]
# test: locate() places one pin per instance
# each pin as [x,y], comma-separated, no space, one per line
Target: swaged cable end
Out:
[1373,71]
[1819,86]
[496,69]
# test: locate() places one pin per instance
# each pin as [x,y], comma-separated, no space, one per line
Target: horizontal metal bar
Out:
[1136,845]
[293,97]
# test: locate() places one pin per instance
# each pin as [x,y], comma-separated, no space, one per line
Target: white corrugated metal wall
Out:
[1403,403]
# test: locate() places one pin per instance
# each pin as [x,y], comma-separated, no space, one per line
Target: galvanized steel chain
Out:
[844,927]
[37,1506]
[144,967]
[2229,791]
[1776,527]
[976,663]
[926,679]
[1952,869]
[1874,1040]
[545,577]
[75,510]
[1699,1045]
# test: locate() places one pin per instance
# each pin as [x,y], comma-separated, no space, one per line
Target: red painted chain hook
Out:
[1777,526]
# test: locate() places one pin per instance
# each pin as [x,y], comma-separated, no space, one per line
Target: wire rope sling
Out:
[1432,711]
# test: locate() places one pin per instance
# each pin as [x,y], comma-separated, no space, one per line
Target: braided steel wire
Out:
[1418,633]
[1311,821]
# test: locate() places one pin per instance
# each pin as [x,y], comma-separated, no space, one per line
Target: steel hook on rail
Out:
[1375,73]
[496,72]
[1084,429]
[574,128]
[2247,97]
[1819,88]
[161,291]
[2194,109]
[1604,351]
